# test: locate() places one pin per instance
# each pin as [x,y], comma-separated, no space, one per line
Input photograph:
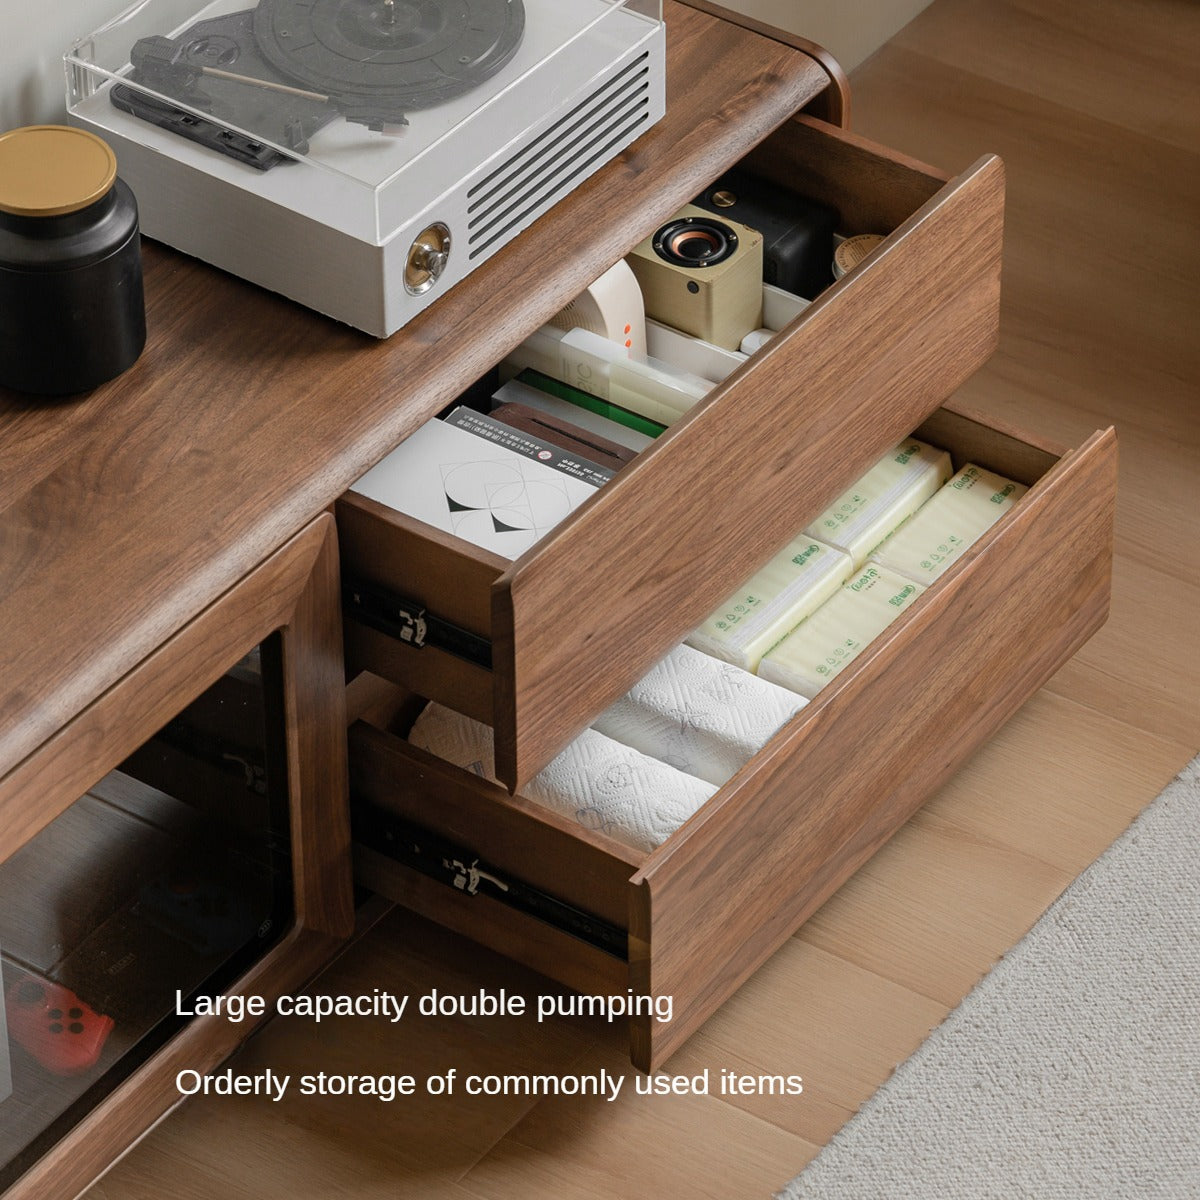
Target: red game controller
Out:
[57,1028]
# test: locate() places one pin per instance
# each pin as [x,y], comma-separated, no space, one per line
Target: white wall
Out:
[33,37]
[850,29]
[35,33]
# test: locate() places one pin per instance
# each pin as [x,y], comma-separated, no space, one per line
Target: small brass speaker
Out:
[702,275]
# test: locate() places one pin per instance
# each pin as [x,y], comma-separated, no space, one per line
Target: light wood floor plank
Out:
[965,879]
[326,1148]
[1143,667]
[1098,327]
[1101,255]
[935,908]
[815,1014]
[639,1147]
[1132,64]
[1061,783]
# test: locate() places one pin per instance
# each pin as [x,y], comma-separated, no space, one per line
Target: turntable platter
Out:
[284,70]
[388,55]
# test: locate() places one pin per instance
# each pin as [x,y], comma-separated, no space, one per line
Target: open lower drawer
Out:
[577,619]
[705,908]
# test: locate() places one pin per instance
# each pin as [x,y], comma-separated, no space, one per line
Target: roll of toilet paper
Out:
[596,781]
[702,716]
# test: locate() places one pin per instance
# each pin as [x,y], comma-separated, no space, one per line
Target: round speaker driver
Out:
[376,58]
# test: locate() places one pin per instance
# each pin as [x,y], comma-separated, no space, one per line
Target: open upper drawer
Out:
[693,917]
[577,619]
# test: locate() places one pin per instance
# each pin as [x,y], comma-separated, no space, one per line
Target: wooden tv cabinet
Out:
[155,529]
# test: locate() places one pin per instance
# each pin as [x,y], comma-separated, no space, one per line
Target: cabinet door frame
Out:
[295,592]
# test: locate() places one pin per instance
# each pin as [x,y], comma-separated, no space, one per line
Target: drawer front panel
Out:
[771,847]
[581,616]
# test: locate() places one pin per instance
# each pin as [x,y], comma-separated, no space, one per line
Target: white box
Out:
[567,85]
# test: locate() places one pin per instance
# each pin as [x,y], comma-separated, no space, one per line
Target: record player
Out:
[362,156]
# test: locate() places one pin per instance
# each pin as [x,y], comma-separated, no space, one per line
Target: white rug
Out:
[1072,1071]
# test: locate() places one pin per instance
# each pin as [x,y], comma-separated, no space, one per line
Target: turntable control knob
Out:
[427,258]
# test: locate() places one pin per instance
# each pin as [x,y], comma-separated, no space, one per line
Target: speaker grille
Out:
[529,181]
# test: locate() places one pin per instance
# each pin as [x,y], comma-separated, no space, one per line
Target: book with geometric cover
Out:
[482,481]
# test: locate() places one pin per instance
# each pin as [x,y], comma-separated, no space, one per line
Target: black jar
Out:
[72,314]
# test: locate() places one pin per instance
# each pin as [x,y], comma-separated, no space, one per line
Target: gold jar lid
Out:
[50,170]
[852,251]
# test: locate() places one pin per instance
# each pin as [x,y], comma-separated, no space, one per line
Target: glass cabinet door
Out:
[211,851]
[161,883]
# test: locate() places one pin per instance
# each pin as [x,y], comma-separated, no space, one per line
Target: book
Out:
[585,400]
[517,391]
[566,435]
[479,480]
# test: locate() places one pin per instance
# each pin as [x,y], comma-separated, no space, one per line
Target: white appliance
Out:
[362,156]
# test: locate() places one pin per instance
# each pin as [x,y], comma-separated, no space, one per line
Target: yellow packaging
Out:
[883,499]
[817,649]
[800,578]
[944,528]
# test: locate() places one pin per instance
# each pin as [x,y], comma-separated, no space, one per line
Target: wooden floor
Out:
[1099,121]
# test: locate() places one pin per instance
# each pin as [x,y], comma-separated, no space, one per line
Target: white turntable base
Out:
[339,244]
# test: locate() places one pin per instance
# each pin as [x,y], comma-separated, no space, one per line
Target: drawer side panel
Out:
[714,903]
[511,834]
[552,952]
[450,578]
[873,189]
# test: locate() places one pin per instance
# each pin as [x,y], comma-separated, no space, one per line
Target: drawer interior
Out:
[703,909]
[576,620]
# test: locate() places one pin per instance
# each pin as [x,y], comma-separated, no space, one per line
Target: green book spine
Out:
[564,391]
